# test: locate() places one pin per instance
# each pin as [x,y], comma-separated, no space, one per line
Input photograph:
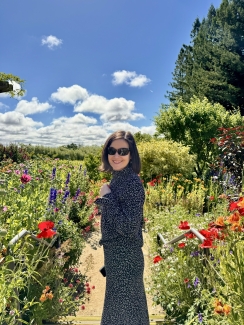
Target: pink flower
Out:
[93,287]
[60,300]
[17,172]
[25,178]
[5,208]
[71,285]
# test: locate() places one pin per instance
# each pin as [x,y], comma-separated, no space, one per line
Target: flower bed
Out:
[39,278]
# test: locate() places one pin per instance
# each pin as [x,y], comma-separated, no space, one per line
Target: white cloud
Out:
[112,127]
[130,78]
[32,107]
[2,106]
[51,41]
[70,94]
[75,120]
[116,109]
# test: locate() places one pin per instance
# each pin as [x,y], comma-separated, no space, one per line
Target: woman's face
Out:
[116,161]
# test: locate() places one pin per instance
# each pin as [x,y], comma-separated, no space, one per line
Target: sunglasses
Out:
[121,151]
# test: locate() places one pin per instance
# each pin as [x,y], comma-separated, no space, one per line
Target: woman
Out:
[121,204]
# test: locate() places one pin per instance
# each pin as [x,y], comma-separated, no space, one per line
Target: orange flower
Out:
[240,203]
[220,221]
[226,309]
[234,218]
[217,302]
[218,309]
[43,298]
[49,295]
[236,226]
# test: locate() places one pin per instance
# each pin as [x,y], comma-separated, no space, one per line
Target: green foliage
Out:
[213,65]
[92,163]
[164,157]
[194,124]
[69,152]
[11,77]
[139,137]
[14,152]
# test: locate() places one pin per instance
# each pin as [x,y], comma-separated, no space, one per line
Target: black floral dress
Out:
[121,226]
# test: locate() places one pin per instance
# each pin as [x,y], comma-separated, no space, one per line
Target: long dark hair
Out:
[135,162]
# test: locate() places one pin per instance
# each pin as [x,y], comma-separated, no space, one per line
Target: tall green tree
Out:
[216,68]
[194,124]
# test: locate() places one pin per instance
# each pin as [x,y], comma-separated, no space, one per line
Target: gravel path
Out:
[92,259]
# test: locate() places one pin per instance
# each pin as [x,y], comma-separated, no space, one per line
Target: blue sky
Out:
[91,66]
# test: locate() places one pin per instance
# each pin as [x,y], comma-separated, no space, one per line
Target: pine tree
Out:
[213,65]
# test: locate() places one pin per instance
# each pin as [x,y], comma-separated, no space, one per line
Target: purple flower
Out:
[54,172]
[68,179]
[77,194]
[66,194]
[195,254]
[200,318]
[197,214]
[26,171]
[196,282]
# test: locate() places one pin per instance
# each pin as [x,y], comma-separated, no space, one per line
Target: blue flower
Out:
[26,171]
[53,195]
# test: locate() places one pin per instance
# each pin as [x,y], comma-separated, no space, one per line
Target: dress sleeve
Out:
[126,211]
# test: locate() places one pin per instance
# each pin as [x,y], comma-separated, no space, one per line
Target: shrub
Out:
[164,157]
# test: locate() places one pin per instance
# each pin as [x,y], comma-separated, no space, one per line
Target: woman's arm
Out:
[126,211]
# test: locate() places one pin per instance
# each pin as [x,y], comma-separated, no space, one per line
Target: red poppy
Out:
[190,235]
[157,259]
[207,243]
[186,280]
[184,225]
[181,245]
[46,229]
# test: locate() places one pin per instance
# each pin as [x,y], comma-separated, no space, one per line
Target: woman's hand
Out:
[104,190]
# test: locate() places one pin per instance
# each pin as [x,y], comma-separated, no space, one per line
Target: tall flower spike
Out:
[68,179]
[54,172]
[53,195]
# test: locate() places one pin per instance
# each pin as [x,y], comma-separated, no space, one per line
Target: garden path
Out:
[93,255]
